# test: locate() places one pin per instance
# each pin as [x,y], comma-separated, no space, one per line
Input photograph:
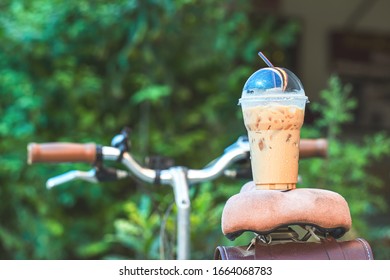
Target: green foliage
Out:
[140,230]
[336,107]
[150,232]
[153,94]
[80,70]
[348,167]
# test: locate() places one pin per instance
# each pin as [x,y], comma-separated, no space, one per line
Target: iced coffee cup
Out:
[273,103]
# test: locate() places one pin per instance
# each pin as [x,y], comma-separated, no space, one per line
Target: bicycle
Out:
[179,177]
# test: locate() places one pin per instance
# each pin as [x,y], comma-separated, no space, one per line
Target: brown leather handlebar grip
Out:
[313,148]
[61,152]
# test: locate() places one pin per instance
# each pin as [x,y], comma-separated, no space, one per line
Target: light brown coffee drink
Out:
[274,134]
[273,104]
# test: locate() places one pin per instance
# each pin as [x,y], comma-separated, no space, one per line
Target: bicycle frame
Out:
[179,177]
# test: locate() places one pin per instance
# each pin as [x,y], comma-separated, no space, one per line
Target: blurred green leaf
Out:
[152,94]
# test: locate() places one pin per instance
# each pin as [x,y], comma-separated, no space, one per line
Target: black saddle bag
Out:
[327,249]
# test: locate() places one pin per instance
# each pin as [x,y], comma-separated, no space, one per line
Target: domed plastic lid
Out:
[273,81]
[273,84]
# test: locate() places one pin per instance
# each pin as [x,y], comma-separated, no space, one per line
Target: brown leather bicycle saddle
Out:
[264,211]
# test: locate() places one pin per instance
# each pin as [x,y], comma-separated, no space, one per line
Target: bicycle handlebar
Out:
[57,152]
[89,153]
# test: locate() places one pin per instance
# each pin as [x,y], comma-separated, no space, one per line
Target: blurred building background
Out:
[350,38]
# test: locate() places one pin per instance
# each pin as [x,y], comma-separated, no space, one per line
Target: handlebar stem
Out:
[182,199]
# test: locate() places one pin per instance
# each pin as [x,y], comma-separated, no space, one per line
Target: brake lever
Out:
[89,176]
[93,176]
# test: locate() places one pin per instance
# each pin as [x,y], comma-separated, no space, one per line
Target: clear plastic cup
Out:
[273,104]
